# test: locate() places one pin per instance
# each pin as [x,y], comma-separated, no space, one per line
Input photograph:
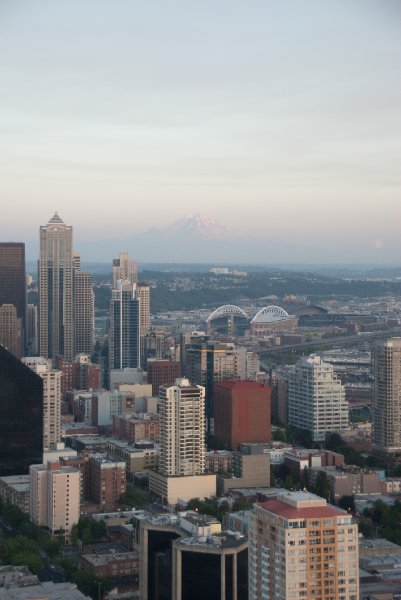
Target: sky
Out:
[279,119]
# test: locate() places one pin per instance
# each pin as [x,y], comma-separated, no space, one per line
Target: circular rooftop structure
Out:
[228,310]
[270,314]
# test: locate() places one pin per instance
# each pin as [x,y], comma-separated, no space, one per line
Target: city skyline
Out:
[283,129]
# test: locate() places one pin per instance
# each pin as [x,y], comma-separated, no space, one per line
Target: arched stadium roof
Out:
[228,310]
[270,314]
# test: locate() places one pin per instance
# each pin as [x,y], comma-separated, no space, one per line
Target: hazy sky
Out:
[278,118]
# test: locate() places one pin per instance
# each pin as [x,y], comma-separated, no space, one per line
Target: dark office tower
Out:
[56,298]
[386,438]
[13,281]
[84,312]
[21,416]
[124,338]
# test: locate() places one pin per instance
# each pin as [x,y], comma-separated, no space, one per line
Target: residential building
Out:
[13,283]
[32,330]
[143,293]
[51,399]
[21,416]
[316,398]
[14,490]
[386,435]
[79,374]
[242,412]
[301,547]
[55,497]
[107,481]
[182,446]
[133,428]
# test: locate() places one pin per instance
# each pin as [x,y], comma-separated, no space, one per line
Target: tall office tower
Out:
[143,293]
[124,268]
[190,557]
[84,306]
[162,372]
[21,416]
[182,445]
[316,398]
[386,437]
[13,281]
[55,493]
[32,330]
[124,337]
[242,412]
[10,330]
[302,548]
[56,296]
[51,399]
[208,363]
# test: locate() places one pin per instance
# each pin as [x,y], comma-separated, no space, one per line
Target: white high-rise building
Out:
[51,399]
[387,396]
[316,398]
[301,548]
[55,497]
[182,443]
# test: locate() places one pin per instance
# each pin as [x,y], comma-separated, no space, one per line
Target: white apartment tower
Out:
[387,396]
[301,548]
[55,497]
[182,445]
[316,398]
[51,399]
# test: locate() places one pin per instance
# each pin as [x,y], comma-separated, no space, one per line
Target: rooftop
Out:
[241,386]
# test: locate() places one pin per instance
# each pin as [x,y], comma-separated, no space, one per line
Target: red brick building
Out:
[107,481]
[132,428]
[242,412]
[162,372]
[78,375]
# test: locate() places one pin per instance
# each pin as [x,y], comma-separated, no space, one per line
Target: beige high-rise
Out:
[125,268]
[182,432]
[51,399]
[143,293]
[301,548]
[84,312]
[55,497]
[387,396]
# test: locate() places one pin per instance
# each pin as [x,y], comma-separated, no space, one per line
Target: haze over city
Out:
[280,121]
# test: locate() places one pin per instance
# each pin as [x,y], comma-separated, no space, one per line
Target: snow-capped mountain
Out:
[199,226]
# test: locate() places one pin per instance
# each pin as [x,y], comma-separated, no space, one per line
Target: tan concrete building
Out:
[55,497]
[143,293]
[51,399]
[302,548]
[181,472]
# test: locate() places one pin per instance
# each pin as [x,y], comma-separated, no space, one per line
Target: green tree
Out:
[90,584]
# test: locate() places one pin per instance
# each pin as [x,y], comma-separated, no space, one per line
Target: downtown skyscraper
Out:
[59,311]
[124,335]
